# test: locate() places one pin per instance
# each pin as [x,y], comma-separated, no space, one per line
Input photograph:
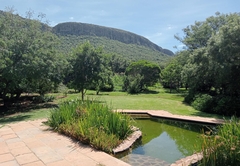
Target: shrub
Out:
[133,84]
[43,99]
[91,122]
[107,87]
[203,102]
[227,105]
[224,148]
[62,89]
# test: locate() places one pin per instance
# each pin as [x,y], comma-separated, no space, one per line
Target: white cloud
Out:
[181,46]
[169,27]
[71,18]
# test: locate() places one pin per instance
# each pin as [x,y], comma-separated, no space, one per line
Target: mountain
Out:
[83,29]
[128,45]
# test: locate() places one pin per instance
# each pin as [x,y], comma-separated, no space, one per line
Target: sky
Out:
[157,20]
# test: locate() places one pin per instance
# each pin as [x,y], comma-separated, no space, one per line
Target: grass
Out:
[157,100]
[153,100]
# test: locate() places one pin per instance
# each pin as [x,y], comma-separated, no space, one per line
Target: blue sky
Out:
[157,20]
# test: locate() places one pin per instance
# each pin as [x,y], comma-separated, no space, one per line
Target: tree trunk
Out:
[18,95]
[5,100]
[82,92]
[97,92]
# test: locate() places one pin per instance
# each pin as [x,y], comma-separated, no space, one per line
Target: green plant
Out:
[132,84]
[62,89]
[91,122]
[118,81]
[202,102]
[227,105]
[64,114]
[43,99]
[223,148]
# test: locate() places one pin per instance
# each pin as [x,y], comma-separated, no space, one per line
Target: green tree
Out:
[87,67]
[171,75]
[29,61]
[117,63]
[213,63]
[146,73]
[104,81]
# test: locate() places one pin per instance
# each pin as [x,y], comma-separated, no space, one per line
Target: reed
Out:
[91,122]
[222,148]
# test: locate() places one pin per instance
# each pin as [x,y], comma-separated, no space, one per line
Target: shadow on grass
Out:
[208,115]
[149,92]
[23,108]
[16,118]
[181,92]
[100,94]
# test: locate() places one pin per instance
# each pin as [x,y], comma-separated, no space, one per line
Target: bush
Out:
[62,89]
[203,102]
[227,105]
[107,87]
[133,85]
[43,99]
[224,148]
[218,104]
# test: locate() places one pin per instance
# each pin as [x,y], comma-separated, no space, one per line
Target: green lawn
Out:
[157,100]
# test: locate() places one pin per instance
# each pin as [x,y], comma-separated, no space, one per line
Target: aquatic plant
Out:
[91,122]
[222,148]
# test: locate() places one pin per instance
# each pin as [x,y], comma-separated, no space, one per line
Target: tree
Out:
[87,67]
[224,52]
[104,81]
[145,72]
[213,66]
[197,35]
[29,61]
[171,75]
[117,63]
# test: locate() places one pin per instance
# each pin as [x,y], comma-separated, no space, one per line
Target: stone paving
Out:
[31,143]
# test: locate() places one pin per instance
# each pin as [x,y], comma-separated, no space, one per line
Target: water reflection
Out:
[167,140]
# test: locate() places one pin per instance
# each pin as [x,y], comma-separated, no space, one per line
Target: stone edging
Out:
[167,115]
[128,142]
[189,160]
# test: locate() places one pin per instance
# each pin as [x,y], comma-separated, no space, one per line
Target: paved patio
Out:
[31,143]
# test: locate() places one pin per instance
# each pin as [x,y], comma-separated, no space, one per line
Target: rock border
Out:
[189,160]
[129,141]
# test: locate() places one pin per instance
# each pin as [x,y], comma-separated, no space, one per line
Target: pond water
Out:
[163,142]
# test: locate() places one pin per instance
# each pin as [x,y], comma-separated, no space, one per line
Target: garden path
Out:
[31,143]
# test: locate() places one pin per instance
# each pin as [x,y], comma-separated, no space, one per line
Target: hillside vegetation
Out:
[130,46]
[83,29]
[130,52]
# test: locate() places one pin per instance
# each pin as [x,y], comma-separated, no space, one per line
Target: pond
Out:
[163,142]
